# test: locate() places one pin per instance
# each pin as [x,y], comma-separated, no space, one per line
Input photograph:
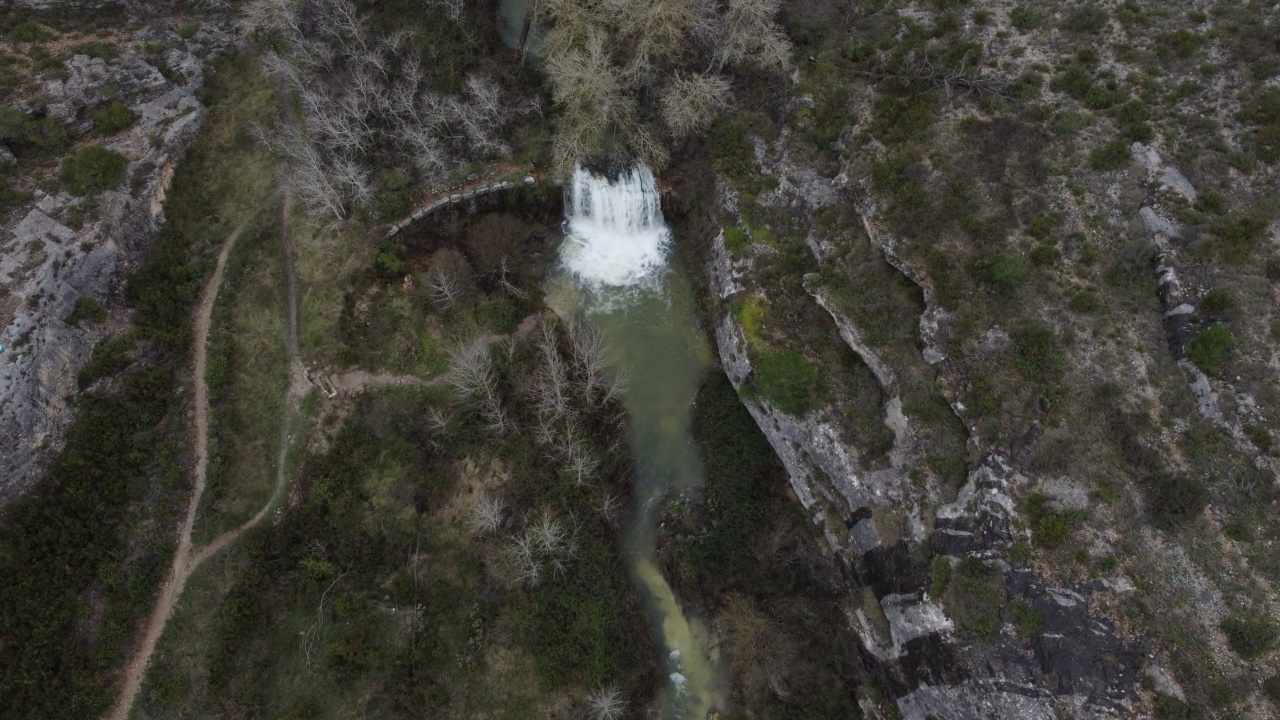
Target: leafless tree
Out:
[610,507]
[606,703]
[437,420]
[504,282]
[691,102]
[445,290]
[471,371]
[748,34]
[488,514]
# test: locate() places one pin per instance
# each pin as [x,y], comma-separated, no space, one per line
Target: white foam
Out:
[616,235]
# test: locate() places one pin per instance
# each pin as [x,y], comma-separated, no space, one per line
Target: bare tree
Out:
[691,102]
[488,514]
[606,703]
[445,290]
[471,372]
[748,34]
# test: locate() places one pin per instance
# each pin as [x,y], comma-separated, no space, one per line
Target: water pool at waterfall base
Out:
[616,273]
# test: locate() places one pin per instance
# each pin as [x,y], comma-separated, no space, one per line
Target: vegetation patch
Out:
[1250,635]
[92,170]
[786,379]
[1209,349]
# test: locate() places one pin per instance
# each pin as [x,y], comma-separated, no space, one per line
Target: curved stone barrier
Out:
[447,201]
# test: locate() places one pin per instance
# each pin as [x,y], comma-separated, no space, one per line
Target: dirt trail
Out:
[185,560]
[182,558]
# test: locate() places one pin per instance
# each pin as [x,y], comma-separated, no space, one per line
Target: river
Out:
[616,274]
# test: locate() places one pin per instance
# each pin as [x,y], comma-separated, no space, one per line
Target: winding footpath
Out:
[184,561]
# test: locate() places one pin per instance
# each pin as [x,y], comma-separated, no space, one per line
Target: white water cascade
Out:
[616,235]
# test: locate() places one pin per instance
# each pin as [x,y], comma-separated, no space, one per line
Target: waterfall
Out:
[616,236]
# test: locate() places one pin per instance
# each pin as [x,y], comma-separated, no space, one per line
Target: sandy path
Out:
[182,558]
[185,560]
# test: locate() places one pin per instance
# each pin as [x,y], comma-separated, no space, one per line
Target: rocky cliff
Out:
[60,249]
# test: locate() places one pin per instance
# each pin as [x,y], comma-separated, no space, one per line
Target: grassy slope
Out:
[86,550]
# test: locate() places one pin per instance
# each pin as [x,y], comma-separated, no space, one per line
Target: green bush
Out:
[939,576]
[112,118]
[736,241]
[1085,302]
[27,31]
[1240,236]
[1087,19]
[1218,302]
[86,310]
[1209,349]
[1074,80]
[1251,636]
[1026,619]
[92,170]
[976,597]
[1181,43]
[1211,201]
[30,136]
[1003,275]
[1024,18]
[1036,353]
[786,379]
[1044,255]
[903,113]
[95,48]
[1110,156]
[1050,528]
[1174,498]
[108,358]
[1271,688]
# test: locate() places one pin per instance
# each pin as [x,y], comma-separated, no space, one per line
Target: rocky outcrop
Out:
[1077,666]
[47,263]
[1182,321]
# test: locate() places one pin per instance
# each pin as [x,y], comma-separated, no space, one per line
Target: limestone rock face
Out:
[46,263]
[1078,666]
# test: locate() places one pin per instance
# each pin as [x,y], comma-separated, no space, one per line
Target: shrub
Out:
[1044,254]
[1271,688]
[112,118]
[27,31]
[1036,353]
[1085,302]
[29,136]
[1181,43]
[1087,19]
[1111,156]
[1074,81]
[1209,349]
[1003,275]
[1218,301]
[1027,86]
[1211,201]
[495,239]
[92,170]
[903,113]
[1174,498]
[939,576]
[1024,18]
[975,598]
[1026,619]
[95,48]
[787,380]
[736,241]
[1251,636]
[1240,236]
[86,310]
